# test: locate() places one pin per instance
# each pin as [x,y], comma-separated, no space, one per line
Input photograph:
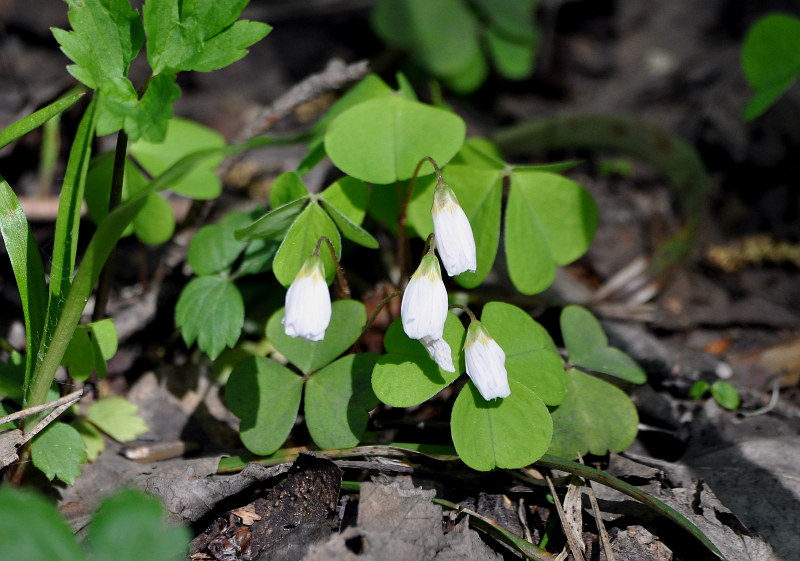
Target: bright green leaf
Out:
[131,526]
[23,126]
[349,195]
[300,241]
[31,529]
[92,438]
[596,417]
[406,375]
[12,377]
[210,310]
[513,59]
[59,452]
[274,224]
[105,333]
[338,399]
[214,247]
[587,346]
[509,433]
[348,228]
[118,418]
[266,397]
[258,257]
[155,223]
[146,118]
[698,389]
[286,188]
[348,318]
[383,140]
[550,220]
[470,77]
[79,358]
[479,152]
[725,394]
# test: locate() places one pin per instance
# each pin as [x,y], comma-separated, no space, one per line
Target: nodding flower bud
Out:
[454,238]
[308,302]
[424,306]
[486,362]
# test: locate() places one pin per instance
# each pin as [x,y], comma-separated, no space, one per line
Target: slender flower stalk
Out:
[486,363]
[308,302]
[424,306]
[453,232]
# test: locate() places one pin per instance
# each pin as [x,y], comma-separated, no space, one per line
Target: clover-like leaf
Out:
[406,375]
[550,220]
[214,247]
[595,417]
[59,452]
[300,241]
[588,348]
[532,358]
[286,188]
[348,318]
[118,418]
[266,397]
[338,399]
[131,526]
[509,433]
[274,224]
[155,223]
[211,311]
[382,140]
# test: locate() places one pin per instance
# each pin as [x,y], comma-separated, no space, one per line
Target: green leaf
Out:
[338,400]
[348,228]
[210,310]
[286,188]
[131,526]
[274,224]
[406,375]
[79,357]
[266,397]
[26,261]
[532,358]
[479,152]
[12,377]
[595,417]
[59,452]
[509,433]
[300,241]
[118,418]
[698,389]
[349,196]
[258,257]
[146,118]
[550,220]
[200,36]
[92,438]
[513,58]
[23,126]
[183,137]
[725,394]
[383,140]
[106,36]
[470,77]
[32,529]
[513,18]
[214,248]
[348,318]
[587,346]
[770,59]
[155,223]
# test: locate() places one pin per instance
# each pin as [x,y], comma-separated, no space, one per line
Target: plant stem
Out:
[402,238]
[379,308]
[344,287]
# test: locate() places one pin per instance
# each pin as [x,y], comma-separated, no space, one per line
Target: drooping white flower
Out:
[486,362]
[454,238]
[308,302]
[440,352]
[424,306]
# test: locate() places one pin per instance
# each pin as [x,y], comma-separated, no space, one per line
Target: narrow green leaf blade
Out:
[348,228]
[20,128]
[59,452]
[274,224]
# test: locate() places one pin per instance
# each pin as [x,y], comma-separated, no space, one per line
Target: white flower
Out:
[454,238]
[424,307]
[308,302]
[440,352]
[486,363]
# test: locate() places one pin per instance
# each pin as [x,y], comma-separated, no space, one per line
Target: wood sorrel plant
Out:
[106,36]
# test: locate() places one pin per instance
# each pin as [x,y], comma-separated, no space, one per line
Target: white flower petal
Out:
[454,238]
[440,352]
[486,363]
[308,303]
[424,306]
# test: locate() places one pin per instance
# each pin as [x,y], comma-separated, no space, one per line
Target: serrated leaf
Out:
[286,188]
[32,529]
[550,220]
[348,318]
[274,224]
[118,418]
[595,417]
[59,452]
[725,394]
[532,358]
[406,375]
[211,311]
[92,438]
[146,118]
[300,241]
[266,397]
[382,140]
[214,248]
[587,346]
[338,399]
[509,433]
[131,526]
[155,223]
[182,138]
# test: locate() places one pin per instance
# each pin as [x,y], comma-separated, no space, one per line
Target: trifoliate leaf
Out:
[274,224]
[59,452]
[211,311]
[286,188]
[266,397]
[214,248]
[300,241]
[118,418]
[338,399]
[595,417]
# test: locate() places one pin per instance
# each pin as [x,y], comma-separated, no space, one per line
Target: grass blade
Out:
[25,125]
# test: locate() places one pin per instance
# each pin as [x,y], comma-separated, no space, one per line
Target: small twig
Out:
[598,516]
[67,400]
[523,519]
[572,540]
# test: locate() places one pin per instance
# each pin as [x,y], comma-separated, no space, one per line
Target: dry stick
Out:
[68,399]
[572,540]
[601,528]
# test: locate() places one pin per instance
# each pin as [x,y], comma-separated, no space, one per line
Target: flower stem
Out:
[402,238]
[344,288]
[464,308]
[383,303]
